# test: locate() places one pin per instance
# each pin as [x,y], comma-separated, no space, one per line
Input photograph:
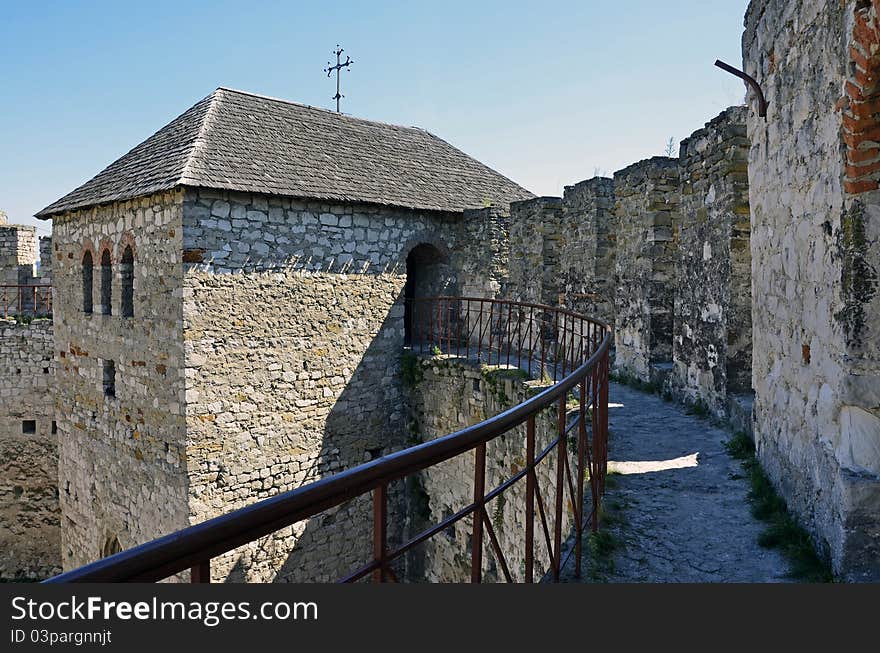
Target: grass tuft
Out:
[782,531]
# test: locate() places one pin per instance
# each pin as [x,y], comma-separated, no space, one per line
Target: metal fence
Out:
[568,350]
[25,301]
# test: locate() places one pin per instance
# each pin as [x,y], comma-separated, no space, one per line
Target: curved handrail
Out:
[195,545]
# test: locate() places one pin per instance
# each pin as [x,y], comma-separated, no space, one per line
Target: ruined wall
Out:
[30,546]
[122,467]
[448,394]
[294,331]
[712,345]
[646,212]
[814,260]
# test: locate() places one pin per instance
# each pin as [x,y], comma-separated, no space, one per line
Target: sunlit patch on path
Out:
[647,466]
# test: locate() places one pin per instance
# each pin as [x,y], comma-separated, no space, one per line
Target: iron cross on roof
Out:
[339,66]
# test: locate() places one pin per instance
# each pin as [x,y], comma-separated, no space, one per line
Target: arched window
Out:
[126,274]
[106,283]
[88,267]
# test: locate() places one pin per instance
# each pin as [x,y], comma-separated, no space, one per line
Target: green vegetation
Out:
[410,370]
[494,378]
[698,408]
[782,531]
[636,383]
[602,544]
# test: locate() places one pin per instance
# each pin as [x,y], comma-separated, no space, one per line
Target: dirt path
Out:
[678,509]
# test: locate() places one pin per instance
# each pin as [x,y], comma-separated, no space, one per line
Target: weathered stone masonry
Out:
[562,250]
[812,186]
[646,210]
[294,331]
[448,394]
[122,463]
[29,512]
[18,253]
[712,344]
[220,346]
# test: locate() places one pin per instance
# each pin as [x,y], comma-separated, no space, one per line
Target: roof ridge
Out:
[322,109]
[200,141]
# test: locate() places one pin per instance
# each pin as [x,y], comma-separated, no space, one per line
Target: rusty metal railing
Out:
[558,345]
[28,301]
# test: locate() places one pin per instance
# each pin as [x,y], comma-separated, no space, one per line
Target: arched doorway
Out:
[428,274]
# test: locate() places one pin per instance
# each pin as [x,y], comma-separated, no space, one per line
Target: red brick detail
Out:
[858,172]
[107,245]
[856,187]
[868,155]
[87,246]
[865,109]
[126,240]
[193,255]
[860,122]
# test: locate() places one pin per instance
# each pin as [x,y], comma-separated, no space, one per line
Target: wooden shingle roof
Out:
[239,141]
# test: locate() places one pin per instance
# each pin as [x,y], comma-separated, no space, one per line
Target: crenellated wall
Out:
[712,343]
[18,253]
[646,213]
[562,250]
[536,228]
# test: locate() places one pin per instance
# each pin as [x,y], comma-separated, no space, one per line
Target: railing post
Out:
[380,532]
[582,437]
[480,331]
[479,502]
[201,573]
[555,345]
[603,401]
[595,487]
[530,499]
[560,484]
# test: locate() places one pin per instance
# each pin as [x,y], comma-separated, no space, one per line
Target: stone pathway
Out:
[678,504]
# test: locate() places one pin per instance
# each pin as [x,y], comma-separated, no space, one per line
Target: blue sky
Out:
[548,93]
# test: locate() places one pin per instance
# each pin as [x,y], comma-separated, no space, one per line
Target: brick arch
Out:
[105,244]
[88,246]
[126,240]
[861,118]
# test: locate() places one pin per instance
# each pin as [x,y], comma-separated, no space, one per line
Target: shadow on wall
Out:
[366,418]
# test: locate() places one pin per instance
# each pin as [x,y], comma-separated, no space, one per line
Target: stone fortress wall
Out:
[272,356]
[815,207]
[712,306]
[29,513]
[646,198]
[448,394]
[293,329]
[120,384]
[662,252]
